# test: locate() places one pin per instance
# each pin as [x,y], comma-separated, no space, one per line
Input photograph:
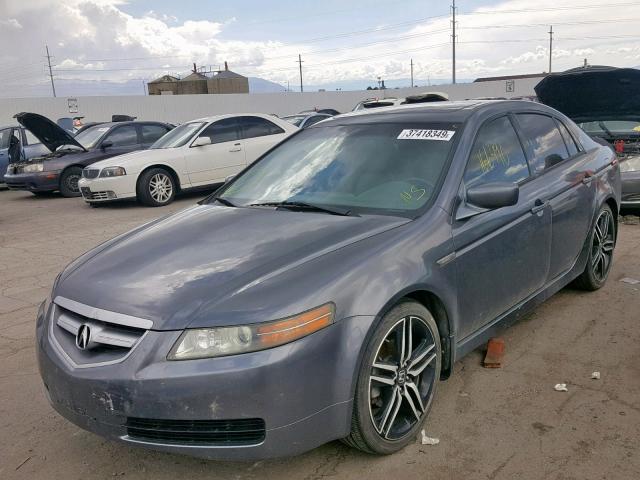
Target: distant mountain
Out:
[260,85]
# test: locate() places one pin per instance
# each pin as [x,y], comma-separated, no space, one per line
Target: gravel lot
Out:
[492,424]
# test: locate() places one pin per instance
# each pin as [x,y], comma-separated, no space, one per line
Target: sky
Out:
[103,47]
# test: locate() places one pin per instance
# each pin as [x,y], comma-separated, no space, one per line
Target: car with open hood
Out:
[61,168]
[324,291]
[195,155]
[605,103]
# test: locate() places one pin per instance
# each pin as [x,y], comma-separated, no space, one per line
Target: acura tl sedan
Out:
[326,290]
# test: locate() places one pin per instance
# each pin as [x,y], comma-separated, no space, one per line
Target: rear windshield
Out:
[384,168]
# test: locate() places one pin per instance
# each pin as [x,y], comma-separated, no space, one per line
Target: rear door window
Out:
[151,133]
[496,156]
[545,141]
[225,130]
[568,138]
[258,127]
[123,136]
[5,135]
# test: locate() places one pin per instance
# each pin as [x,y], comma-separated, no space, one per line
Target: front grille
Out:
[249,431]
[105,342]
[87,194]
[90,173]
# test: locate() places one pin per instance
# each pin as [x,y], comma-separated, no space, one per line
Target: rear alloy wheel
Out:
[69,182]
[156,187]
[397,381]
[601,244]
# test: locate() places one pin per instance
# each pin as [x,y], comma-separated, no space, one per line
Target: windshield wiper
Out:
[307,206]
[223,201]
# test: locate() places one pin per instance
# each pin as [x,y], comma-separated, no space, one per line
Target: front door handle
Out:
[236,148]
[538,206]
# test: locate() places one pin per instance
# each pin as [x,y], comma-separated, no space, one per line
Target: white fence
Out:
[181,108]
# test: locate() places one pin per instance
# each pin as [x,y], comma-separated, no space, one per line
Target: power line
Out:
[550,45]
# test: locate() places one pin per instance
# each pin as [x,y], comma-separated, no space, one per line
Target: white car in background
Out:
[196,154]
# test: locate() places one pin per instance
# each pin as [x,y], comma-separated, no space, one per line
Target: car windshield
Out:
[89,138]
[178,136]
[612,127]
[390,169]
[295,119]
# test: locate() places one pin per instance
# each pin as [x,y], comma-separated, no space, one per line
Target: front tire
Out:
[602,240]
[397,380]
[156,188]
[69,182]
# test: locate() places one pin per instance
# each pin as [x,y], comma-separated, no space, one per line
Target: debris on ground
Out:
[561,387]
[630,281]
[495,353]
[631,220]
[429,440]
[31,456]
[595,375]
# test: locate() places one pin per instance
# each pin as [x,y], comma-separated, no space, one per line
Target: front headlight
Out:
[112,172]
[33,167]
[222,341]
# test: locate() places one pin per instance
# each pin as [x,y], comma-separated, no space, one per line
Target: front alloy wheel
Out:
[156,187]
[397,381]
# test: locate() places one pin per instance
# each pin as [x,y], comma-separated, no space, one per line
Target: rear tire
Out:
[397,380]
[69,182]
[156,188]
[601,241]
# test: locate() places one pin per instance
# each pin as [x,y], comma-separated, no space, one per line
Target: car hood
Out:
[126,159]
[50,135]
[176,270]
[593,93]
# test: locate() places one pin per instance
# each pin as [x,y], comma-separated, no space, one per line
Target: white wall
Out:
[180,108]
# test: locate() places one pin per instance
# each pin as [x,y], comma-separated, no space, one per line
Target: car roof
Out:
[450,111]
[230,115]
[130,122]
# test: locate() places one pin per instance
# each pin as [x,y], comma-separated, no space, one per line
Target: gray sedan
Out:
[325,291]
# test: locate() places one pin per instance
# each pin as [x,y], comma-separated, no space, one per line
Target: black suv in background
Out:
[62,168]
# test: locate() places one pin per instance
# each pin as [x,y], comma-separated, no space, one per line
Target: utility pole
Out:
[53,87]
[550,45]
[453,37]
[412,73]
[300,64]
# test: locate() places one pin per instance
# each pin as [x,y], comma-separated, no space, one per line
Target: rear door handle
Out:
[538,206]
[236,147]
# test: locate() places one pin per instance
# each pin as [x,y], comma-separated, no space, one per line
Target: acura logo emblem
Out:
[83,337]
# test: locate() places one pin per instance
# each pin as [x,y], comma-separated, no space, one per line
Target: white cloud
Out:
[88,34]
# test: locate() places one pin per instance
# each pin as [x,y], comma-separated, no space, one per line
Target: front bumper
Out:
[33,182]
[108,189]
[630,188]
[303,390]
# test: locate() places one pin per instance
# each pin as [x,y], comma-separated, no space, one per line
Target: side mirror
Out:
[201,141]
[106,144]
[493,195]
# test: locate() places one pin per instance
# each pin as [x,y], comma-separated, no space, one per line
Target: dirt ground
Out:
[493,424]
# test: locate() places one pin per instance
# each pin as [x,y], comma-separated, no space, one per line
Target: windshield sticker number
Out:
[419,134]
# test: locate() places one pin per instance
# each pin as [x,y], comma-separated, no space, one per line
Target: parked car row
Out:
[143,160]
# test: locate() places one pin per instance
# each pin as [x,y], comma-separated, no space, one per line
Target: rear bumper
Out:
[303,391]
[630,188]
[33,182]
